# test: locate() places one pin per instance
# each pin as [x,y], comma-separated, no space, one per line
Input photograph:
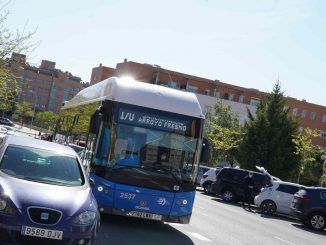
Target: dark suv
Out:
[309,205]
[230,183]
[6,121]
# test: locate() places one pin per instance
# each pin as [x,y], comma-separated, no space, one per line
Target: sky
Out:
[248,43]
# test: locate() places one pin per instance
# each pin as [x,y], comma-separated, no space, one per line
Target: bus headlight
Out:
[182,202]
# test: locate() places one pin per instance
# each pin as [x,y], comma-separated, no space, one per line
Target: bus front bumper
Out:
[164,218]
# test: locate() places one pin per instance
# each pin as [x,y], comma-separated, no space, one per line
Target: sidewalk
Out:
[26,131]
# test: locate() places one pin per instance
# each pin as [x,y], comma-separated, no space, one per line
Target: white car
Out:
[7,130]
[201,171]
[208,178]
[277,198]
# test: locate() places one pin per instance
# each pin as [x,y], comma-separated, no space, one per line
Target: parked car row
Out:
[7,130]
[270,194]
[6,121]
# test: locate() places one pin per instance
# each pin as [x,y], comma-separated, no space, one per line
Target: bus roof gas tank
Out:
[132,92]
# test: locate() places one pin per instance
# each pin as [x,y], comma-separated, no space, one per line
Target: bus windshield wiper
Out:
[172,171]
[124,167]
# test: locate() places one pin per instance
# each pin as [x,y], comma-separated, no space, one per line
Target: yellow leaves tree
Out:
[224,133]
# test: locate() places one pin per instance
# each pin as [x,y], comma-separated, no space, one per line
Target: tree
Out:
[310,169]
[46,119]
[268,141]
[323,177]
[18,41]
[224,133]
[312,172]
[8,91]
[24,110]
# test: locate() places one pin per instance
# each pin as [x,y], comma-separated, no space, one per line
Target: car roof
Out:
[39,144]
[315,188]
[240,169]
[287,183]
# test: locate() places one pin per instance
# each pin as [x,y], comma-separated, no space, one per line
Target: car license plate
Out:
[39,232]
[144,215]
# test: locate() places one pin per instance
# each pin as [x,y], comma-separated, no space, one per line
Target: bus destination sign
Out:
[138,118]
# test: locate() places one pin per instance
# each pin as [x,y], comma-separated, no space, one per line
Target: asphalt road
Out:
[212,222]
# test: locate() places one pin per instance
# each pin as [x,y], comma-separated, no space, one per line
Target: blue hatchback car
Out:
[45,197]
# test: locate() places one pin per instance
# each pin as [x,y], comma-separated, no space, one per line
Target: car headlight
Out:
[3,204]
[85,218]
[6,206]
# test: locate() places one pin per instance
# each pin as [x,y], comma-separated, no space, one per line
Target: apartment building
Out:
[209,91]
[44,87]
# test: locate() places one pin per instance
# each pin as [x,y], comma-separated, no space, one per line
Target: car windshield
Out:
[41,166]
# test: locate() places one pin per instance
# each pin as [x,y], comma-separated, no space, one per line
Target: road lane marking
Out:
[198,206]
[198,236]
[283,240]
[174,224]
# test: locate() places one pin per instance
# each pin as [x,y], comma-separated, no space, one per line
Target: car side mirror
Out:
[91,182]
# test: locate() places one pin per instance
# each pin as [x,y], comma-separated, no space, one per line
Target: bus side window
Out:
[102,156]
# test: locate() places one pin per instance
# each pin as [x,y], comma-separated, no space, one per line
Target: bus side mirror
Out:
[95,122]
[205,156]
[91,182]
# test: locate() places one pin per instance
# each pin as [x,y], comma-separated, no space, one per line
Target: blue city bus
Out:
[142,146]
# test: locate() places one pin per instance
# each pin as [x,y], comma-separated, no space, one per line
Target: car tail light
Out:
[301,198]
[205,176]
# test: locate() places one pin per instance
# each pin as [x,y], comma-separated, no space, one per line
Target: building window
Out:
[324,118]
[285,108]
[174,85]
[255,102]
[231,97]
[303,113]
[217,94]
[300,129]
[207,92]
[241,98]
[323,134]
[294,111]
[313,116]
[192,89]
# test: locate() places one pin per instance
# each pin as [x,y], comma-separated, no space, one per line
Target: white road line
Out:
[175,224]
[198,236]
[283,240]
[198,206]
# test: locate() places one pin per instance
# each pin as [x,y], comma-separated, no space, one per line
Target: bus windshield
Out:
[149,149]
[153,149]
